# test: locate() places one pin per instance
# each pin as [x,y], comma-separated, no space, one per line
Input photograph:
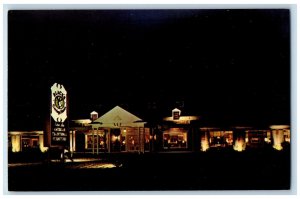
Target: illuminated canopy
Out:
[279,127]
[182,119]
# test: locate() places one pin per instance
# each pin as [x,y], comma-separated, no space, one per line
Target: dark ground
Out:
[212,170]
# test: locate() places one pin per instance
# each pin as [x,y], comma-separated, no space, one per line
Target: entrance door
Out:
[115,140]
[80,141]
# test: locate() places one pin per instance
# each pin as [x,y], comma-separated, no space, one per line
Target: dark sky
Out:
[231,65]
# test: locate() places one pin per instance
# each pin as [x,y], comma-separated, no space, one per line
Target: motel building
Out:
[115,131]
[119,131]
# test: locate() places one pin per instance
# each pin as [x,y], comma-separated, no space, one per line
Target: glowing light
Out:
[277,147]
[239,145]
[115,138]
[277,139]
[16,143]
[204,142]
[267,140]
[287,136]
[204,145]
[41,143]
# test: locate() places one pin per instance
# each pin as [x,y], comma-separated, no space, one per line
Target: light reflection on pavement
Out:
[78,163]
[24,164]
[91,165]
[79,160]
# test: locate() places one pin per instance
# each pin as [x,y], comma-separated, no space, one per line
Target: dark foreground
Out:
[213,170]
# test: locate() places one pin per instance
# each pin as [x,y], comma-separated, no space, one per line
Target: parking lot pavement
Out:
[165,171]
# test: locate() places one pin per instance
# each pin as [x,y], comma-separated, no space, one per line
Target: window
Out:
[175,138]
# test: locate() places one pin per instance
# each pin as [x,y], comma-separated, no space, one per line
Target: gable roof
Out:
[118,117]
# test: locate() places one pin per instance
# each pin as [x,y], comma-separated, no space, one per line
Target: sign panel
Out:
[59,126]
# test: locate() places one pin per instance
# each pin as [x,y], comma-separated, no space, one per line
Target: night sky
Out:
[231,66]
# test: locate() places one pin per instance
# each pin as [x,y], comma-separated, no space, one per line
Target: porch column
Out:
[93,141]
[86,140]
[74,141]
[108,140]
[97,132]
[139,142]
[19,139]
[71,141]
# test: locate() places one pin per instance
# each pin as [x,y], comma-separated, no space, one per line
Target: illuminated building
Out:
[120,131]
[212,137]
[177,132]
[25,140]
[115,131]
[280,134]
[190,130]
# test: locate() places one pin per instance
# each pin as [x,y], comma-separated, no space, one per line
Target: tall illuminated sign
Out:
[59,115]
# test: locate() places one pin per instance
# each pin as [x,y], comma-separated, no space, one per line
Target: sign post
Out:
[59,128]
